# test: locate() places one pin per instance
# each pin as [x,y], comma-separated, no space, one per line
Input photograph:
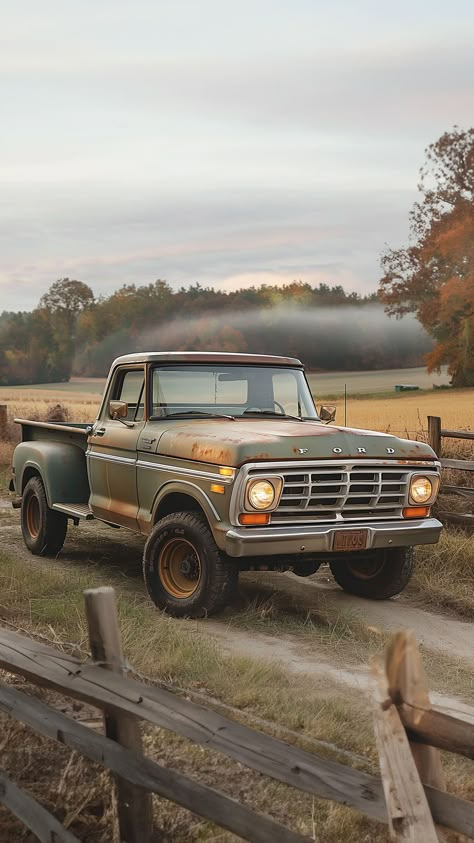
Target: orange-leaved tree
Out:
[434,276]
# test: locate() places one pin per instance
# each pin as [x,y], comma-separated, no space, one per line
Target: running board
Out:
[75,510]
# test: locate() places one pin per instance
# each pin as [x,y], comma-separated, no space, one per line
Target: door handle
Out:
[99,432]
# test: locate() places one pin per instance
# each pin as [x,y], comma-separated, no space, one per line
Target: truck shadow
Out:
[262,597]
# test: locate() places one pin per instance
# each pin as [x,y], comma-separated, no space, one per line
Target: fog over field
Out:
[324,338]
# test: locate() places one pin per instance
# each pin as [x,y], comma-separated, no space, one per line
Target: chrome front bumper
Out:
[276,541]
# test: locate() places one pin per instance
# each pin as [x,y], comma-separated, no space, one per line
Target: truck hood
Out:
[233,443]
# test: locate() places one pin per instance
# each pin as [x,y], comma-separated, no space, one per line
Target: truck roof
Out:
[206,357]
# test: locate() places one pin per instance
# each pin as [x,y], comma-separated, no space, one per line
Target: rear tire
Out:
[185,573]
[43,529]
[377,577]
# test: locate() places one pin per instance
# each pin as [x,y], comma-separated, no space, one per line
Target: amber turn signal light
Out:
[250,519]
[416,511]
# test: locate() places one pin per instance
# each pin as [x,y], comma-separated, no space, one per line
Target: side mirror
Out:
[118,409]
[327,413]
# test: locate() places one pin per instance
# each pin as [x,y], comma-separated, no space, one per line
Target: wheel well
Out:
[28,473]
[178,502]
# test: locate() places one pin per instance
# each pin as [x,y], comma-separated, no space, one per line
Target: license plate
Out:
[351,540]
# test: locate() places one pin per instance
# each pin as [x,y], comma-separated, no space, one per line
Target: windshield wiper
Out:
[271,413]
[185,413]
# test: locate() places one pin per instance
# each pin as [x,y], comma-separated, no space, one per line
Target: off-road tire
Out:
[43,529]
[216,581]
[395,567]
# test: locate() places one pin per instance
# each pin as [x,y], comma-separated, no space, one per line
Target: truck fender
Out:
[185,487]
[61,466]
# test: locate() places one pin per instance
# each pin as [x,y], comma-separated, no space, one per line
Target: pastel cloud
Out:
[218,143]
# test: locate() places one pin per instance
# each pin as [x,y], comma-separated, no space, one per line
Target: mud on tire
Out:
[377,577]
[43,529]
[185,573]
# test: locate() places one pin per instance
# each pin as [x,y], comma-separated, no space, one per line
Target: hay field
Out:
[35,403]
[407,412]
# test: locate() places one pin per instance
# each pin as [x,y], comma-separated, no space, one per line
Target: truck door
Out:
[112,452]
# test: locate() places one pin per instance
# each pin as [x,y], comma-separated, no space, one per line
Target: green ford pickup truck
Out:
[224,463]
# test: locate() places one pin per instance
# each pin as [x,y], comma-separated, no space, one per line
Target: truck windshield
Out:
[221,389]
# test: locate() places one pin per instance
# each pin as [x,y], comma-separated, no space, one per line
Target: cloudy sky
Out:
[223,142]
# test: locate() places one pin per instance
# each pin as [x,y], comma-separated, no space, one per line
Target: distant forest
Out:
[73,333]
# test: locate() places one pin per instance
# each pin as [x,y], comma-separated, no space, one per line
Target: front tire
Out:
[377,577]
[185,573]
[43,529]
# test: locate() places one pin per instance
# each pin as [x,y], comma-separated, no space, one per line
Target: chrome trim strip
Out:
[207,475]
[97,455]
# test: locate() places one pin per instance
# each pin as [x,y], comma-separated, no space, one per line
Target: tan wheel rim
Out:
[365,570]
[33,518]
[179,568]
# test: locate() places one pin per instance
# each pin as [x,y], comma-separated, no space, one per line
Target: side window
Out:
[129,387]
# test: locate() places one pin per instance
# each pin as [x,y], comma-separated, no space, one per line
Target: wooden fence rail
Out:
[435,435]
[124,700]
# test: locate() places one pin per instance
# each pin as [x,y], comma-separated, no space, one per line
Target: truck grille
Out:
[342,492]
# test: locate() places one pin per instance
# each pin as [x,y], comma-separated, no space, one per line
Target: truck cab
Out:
[224,463]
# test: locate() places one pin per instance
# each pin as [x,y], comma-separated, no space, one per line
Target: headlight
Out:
[421,489]
[261,494]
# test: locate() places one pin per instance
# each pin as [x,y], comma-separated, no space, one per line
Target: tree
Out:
[61,307]
[434,276]
[67,296]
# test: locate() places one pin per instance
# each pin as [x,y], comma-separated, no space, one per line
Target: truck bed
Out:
[73,432]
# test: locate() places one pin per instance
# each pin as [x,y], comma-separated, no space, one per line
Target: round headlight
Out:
[261,494]
[421,489]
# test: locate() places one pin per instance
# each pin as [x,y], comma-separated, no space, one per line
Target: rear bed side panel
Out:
[62,467]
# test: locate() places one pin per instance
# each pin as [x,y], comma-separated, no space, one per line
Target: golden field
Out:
[407,413]
[35,403]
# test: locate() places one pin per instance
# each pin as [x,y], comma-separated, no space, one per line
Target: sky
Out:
[220,142]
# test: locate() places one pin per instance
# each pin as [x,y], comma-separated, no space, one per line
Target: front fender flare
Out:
[186,487]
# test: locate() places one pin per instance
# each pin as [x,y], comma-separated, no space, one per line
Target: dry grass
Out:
[444,575]
[47,600]
[41,600]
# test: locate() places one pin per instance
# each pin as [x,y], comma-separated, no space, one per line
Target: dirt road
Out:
[116,556]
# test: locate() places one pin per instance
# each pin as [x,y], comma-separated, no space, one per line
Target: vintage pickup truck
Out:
[223,462]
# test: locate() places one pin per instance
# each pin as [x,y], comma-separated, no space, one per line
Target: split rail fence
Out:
[435,435]
[408,730]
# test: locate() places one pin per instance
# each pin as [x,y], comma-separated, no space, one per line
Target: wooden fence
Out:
[435,435]
[124,701]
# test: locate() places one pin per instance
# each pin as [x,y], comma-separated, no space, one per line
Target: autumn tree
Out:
[434,276]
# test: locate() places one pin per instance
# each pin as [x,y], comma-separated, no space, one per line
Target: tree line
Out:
[73,333]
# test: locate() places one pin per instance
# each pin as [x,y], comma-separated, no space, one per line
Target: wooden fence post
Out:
[3,421]
[134,803]
[434,433]
[407,684]
[409,815]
